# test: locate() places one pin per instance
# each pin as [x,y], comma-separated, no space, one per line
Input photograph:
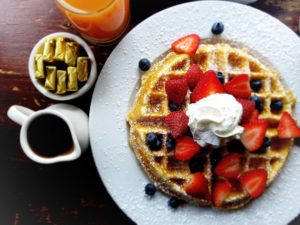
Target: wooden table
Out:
[66,193]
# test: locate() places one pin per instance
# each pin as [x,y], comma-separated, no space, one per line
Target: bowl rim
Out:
[89,83]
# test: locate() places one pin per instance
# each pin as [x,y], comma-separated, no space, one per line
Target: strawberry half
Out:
[220,192]
[209,85]
[254,116]
[253,135]
[248,108]
[176,90]
[239,86]
[193,75]
[254,182]
[186,148]
[187,44]
[229,167]
[287,127]
[177,123]
[198,187]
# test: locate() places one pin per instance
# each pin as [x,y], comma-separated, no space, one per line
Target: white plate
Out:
[117,84]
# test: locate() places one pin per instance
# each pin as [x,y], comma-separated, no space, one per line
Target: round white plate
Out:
[117,85]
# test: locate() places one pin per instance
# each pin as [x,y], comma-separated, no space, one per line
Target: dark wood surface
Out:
[66,193]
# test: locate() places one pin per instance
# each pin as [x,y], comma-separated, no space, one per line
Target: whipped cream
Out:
[214,120]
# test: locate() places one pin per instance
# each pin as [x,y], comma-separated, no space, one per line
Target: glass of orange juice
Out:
[100,21]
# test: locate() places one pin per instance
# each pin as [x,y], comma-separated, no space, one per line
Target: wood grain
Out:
[70,193]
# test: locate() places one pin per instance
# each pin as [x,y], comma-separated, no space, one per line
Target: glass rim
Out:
[72,9]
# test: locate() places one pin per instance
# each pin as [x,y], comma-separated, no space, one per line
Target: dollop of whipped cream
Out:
[214,120]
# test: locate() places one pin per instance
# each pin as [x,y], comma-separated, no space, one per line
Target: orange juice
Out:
[100,21]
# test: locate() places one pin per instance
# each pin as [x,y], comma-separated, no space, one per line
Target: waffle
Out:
[151,106]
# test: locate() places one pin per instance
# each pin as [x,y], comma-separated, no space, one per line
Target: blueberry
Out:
[157,145]
[173,106]
[151,139]
[260,107]
[150,189]
[154,141]
[173,202]
[144,64]
[236,146]
[170,143]
[258,102]
[217,28]
[221,77]
[255,99]
[215,157]
[276,105]
[197,163]
[204,150]
[266,143]
[255,85]
[261,150]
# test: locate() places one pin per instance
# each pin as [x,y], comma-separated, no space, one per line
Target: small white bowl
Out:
[82,90]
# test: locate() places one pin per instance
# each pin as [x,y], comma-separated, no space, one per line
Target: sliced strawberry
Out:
[253,135]
[186,148]
[176,90]
[220,192]
[287,127]
[193,75]
[254,182]
[229,167]
[209,85]
[198,187]
[177,123]
[239,86]
[187,44]
[254,116]
[248,108]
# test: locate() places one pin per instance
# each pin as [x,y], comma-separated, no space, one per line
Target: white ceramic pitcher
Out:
[75,119]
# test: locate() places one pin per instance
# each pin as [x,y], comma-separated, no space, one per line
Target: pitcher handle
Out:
[19,114]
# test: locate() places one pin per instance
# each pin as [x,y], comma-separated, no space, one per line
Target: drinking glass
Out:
[99,21]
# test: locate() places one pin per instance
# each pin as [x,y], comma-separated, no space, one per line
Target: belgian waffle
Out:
[151,106]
